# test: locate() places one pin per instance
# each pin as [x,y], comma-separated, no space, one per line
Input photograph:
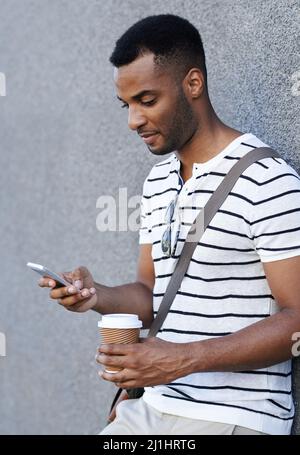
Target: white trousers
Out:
[139,418]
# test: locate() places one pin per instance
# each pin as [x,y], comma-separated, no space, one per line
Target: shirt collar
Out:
[201,168]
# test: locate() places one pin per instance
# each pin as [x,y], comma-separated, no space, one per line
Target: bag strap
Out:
[198,228]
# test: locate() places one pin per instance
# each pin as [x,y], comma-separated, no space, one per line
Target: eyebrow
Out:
[140,95]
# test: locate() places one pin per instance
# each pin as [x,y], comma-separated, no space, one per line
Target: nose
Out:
[135,118]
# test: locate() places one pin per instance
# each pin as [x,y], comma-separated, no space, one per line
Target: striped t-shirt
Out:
[225,288]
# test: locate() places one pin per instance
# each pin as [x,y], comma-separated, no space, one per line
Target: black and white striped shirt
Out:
[225,288]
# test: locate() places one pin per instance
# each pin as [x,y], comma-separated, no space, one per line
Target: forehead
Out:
[141,74]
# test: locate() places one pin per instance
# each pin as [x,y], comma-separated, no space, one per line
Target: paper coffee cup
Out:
[119,329]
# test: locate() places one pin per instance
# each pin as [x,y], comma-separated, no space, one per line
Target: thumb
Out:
[78,277]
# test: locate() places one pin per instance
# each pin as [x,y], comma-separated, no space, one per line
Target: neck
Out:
[211,137]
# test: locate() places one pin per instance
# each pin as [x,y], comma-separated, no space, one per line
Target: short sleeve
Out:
[275,220]
[145,232]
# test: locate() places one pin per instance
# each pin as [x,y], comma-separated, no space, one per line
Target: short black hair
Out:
[173,40]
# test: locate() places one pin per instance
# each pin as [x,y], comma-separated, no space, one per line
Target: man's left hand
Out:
[151,362]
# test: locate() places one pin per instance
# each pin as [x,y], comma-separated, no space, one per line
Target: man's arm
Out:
[264,343]
[133,297]
[259,345]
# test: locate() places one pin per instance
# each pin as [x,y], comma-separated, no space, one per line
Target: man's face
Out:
[156,105]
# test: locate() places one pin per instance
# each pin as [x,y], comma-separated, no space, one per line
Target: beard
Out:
[182,128]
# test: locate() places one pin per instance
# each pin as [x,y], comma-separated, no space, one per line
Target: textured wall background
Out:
[65,142]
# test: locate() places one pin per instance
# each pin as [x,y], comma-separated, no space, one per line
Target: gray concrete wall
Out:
[65,142]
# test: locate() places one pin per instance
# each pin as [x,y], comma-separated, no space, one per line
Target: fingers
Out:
[78,276]
[76,294]
[71,297]
[64,291]
[110,361]
[46,282]
[117,349]
[125,379]
[72,301]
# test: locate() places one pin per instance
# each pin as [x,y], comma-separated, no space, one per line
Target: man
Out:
[221,362]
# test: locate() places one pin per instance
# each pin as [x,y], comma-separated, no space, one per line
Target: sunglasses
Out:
[166,240]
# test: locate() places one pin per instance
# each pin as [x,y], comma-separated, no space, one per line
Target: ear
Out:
[194,83]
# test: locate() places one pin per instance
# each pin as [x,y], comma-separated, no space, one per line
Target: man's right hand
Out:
[80,296]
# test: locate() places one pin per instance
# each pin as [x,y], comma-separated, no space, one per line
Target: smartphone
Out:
[60,281]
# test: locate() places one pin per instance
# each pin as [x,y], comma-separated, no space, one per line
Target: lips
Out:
[149,136]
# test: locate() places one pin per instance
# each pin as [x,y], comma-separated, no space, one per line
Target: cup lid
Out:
[120,321]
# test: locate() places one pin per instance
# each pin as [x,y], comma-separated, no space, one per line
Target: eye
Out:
[145,103]
[148,103]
